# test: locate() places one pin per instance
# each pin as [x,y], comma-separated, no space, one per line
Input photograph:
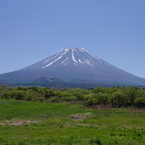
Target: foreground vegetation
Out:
[41,116]
[35,123]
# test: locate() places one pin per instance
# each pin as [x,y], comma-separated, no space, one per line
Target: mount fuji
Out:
[71,67]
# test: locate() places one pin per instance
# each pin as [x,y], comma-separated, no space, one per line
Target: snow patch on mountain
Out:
[52,62]
[70,56]
[80,61]
[73,57]
[88,62]
[64,60]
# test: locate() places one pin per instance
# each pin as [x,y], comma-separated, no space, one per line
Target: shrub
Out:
[28,97]
[98,89]
[49,93]
[19,95]
[140,102]
[103,98]
[132,93]
[70,98]
[119,99]
[90,100]
[41,99]
[78,95]
[6,95]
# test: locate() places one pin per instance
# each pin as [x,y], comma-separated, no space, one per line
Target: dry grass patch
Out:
[136,109]
[17,122]
[80,116]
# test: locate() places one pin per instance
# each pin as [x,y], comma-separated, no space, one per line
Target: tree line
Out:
[117,96]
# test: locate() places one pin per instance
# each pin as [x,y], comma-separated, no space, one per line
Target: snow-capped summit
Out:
[68,56]
[73,65]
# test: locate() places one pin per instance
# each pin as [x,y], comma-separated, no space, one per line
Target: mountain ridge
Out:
[73,65]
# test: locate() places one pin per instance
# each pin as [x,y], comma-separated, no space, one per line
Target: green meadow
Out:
[71,123]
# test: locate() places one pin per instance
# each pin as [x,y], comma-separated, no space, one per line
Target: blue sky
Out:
[31,30]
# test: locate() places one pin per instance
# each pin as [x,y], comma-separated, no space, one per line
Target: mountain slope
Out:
[73,65]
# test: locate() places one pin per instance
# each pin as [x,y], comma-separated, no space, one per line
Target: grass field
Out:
[35,123]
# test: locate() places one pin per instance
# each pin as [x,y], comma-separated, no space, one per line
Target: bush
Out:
[70,98]
[118,99]
[19,95]
[6,95]
[140,102]
[28,97]
[102,98]
[49,93]
[132,93]
[90,100]
[78,95]
[41,99]
[98,89]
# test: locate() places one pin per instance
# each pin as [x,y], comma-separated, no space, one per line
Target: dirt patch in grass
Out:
[16,122]
[80,116]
